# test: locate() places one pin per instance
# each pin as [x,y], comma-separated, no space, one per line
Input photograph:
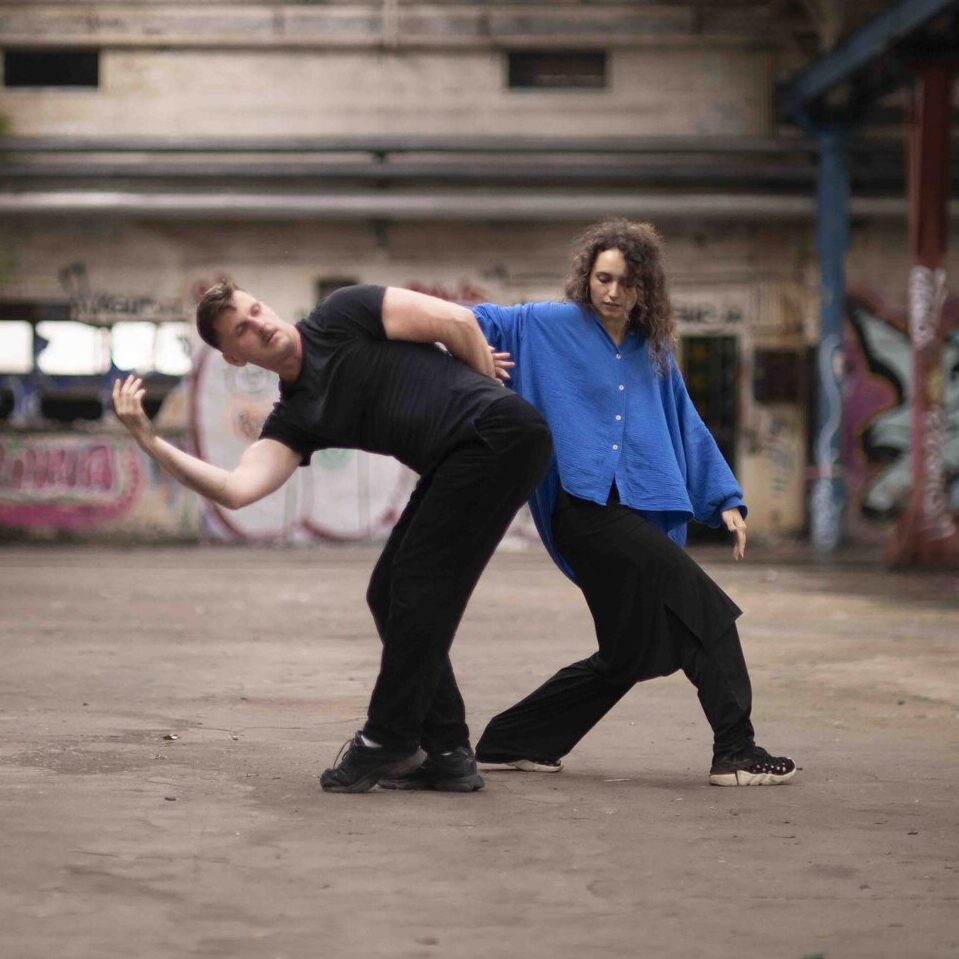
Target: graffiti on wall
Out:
[877,409]
[98,307]
[89,484]
[724,307]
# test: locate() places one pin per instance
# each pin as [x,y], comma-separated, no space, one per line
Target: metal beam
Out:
[504,206]
[827,504]
[859,51]
[384,146]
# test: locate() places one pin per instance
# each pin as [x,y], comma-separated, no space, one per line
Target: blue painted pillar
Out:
[827,505]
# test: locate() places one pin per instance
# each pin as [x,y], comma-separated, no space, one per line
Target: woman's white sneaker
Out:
[523,766]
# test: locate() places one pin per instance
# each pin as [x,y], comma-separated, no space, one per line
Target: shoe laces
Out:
[343,749]
[768,762]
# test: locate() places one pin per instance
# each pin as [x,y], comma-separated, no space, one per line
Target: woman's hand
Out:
[737,526]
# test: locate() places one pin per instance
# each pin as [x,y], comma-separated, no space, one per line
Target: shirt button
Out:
[622,386]
[618,417]
[619,356]
[615,446]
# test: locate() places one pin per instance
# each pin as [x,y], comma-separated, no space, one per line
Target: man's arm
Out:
[264,467]
[428,319]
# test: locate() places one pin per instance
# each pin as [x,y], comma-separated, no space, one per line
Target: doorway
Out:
[710,366]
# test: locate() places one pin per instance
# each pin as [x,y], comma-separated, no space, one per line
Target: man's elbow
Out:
[233,497]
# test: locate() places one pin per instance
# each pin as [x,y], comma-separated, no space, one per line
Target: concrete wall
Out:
[340,92]
[749,282]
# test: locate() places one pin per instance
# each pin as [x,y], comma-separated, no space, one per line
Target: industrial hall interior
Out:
[795,155]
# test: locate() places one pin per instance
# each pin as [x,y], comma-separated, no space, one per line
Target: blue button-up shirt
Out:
[612,419]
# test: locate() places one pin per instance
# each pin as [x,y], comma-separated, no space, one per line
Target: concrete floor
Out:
[119,840]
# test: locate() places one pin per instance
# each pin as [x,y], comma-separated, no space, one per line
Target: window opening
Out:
[557,70]
[51,68]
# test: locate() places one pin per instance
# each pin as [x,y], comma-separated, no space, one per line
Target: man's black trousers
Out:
[422,582]
[655,612]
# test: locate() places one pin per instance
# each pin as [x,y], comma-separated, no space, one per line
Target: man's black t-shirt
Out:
[358,389]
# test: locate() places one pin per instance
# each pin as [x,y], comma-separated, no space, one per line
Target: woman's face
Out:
[609,293]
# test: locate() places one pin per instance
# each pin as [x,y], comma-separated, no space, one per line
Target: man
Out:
[363,371]
[634,463]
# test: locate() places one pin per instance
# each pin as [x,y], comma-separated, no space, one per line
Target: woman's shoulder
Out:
[552,312]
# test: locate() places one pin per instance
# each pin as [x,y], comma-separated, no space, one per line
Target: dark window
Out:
[68,407]
[711,371]
[557,70]
[51,68]
[776,376]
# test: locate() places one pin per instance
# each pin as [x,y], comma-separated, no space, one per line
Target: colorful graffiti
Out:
[877,408]
[89,485]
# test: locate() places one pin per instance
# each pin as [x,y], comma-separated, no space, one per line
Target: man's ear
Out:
[233,360]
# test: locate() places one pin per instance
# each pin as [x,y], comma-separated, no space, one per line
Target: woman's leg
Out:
[632,577]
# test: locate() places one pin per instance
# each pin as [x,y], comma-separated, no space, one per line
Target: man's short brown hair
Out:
[216,300]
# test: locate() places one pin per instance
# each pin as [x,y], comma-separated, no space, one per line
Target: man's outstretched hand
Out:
[128,403]
[502,364]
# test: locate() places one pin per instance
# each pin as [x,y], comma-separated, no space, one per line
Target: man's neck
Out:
[290,368]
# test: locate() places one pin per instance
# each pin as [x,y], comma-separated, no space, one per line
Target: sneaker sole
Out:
[521,765]
[743,778]
[468,784]
[397,768]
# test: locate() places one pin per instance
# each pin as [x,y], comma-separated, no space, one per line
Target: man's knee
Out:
[378,596]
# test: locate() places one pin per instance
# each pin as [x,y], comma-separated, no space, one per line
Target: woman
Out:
[633,464]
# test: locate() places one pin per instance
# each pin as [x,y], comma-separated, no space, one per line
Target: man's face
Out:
[609,294]
[250,332]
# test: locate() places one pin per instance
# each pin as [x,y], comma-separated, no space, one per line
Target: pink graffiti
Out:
[66,485]
[57,471]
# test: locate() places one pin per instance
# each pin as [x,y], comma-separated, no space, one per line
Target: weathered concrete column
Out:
[926,534]
[827,505]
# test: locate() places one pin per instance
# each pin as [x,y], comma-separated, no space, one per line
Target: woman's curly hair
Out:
[641,247]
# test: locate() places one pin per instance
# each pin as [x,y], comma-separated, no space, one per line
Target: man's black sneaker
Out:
[359,767]
[453,772]
[752,767]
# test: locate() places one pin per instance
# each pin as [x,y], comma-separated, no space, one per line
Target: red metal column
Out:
[926,534]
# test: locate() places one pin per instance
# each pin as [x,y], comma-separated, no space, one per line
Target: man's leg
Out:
[468,505]
[445,726]
[471,500]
